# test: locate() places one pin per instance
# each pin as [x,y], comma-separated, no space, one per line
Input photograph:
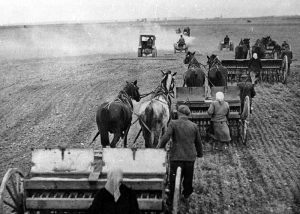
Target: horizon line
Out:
[137,20]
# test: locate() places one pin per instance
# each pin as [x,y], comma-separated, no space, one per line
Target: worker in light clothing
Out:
[219,112]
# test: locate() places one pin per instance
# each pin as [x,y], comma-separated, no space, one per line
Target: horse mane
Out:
[194,63]
[162,91]
[124,95]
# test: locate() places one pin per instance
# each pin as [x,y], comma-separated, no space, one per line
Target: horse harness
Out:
[124,98]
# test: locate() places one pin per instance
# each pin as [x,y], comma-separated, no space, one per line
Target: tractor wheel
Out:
[140,54]
[231,47]
[11,192]
[154,53]
[220,47]
[284,69]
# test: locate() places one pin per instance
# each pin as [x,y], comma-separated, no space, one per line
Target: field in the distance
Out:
[51,101]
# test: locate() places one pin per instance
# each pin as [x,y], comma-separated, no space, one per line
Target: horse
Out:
[217,74]
[115,117]
[154,114]
[195,75]
[241,51]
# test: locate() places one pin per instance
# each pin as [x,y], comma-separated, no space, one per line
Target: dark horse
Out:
[217,74]
[155,113]
[241,51]
[115,117]
[195,75]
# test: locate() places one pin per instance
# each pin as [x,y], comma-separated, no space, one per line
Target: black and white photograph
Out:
[150,107]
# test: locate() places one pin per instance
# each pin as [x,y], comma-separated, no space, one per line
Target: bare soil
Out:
[52,101]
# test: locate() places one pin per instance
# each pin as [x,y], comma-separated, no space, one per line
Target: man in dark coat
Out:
[115,197]
[181,41]
[184,148]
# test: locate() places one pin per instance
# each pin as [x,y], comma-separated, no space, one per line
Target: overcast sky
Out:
[33,11]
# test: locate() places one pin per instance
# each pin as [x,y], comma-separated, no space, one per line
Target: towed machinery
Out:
[186,31]
[228,46]
[147,46]
[194,97]
[275,61]
[66,180]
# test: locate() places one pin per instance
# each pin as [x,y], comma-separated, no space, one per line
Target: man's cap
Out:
[184,109]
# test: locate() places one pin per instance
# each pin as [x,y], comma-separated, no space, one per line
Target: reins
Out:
[204,66]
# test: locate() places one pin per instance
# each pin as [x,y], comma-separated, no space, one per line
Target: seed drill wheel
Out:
[284,69]
[11,192]
[177,191]
[243,122]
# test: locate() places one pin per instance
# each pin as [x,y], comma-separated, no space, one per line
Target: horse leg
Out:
[147,138]
[104,138]
[116,139]
[125,136]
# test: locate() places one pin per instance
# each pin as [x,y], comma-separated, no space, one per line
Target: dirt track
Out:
[52,102]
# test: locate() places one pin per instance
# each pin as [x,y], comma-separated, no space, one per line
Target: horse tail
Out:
[95,137]
[149,116]
[102,118]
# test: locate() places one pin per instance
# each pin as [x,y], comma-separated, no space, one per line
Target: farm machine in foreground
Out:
[66,180]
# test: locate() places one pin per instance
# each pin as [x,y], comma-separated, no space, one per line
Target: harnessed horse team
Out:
[116,116]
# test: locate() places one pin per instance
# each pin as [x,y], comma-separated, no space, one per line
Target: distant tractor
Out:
[178,31]
[147,46]
[187,31]
[180,48]
[228,46]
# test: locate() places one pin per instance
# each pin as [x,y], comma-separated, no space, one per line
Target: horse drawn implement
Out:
[66,180]
[273,70]
[275,61]
[194,97]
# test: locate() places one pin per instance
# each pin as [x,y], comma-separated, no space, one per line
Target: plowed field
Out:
[52,101]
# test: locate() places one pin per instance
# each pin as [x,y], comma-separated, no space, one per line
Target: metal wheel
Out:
[284,69]
[11,192]
[140,54]
[220,46]
[231,46]
[154,53]
[243,122]
[177,191]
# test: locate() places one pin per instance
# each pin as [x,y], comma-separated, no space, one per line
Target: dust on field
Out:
[52,101]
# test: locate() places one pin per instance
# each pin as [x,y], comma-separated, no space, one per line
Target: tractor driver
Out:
[181,41]
[226,40]
[150,42]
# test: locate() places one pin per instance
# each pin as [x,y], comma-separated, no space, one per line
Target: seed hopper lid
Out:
[62,161]
[140,161]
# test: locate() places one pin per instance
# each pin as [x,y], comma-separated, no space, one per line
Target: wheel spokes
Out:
[9,204]
[11,192]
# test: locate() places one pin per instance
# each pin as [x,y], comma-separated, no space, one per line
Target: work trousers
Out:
[187,172]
